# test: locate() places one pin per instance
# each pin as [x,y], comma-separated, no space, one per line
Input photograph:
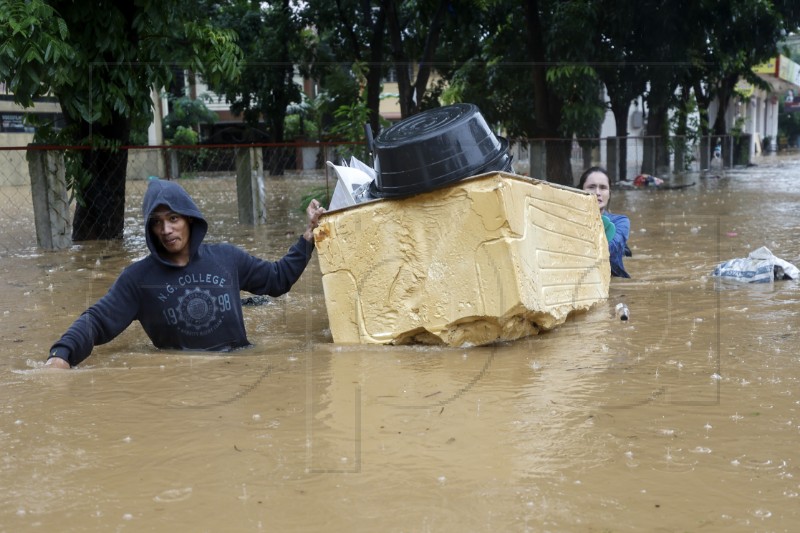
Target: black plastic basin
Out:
[435,148]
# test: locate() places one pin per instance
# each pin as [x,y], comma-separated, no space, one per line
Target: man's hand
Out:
[313,211]
[57,362]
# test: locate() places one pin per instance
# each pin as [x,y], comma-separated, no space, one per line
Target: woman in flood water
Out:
[185,294]
[595,180]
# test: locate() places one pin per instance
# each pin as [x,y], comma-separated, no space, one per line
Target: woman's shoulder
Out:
[616,216]
[621,222]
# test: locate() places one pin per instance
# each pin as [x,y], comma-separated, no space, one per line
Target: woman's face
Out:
[597,184]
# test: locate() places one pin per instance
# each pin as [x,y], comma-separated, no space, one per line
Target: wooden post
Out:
[50,200]
[259,186]
[250,191]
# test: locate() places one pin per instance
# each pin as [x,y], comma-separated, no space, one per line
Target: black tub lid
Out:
[427,124]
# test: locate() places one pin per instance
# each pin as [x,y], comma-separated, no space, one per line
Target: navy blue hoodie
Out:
[192,307]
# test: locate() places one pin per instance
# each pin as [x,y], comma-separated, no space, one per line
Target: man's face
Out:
[172,230]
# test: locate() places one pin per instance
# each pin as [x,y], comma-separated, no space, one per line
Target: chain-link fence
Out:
[212,170]
[209,170]
[640,155]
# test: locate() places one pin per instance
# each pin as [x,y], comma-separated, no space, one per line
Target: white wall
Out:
[759,114]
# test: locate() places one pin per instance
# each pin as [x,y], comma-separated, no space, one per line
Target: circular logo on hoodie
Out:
[197,308]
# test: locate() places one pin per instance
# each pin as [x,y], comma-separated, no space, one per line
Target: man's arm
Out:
[99,324]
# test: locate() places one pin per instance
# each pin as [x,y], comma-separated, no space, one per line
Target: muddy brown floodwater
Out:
[684,418]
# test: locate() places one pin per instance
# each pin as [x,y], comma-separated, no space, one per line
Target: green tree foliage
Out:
[349,127]
[415,31]
[490,72]
[529,72]
[273,38]
[299,118]
[101,62]
[409,41]
[620,38]
[189,114]
[270,36]
[184,136]
[738,35]
[351,51]
[536,68]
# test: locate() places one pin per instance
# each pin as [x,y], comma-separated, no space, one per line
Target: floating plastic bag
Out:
[758,267]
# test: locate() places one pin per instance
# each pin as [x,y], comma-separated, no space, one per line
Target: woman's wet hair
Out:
[588,171]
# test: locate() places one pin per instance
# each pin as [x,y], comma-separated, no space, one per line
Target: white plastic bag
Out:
[351,180]
[758,267]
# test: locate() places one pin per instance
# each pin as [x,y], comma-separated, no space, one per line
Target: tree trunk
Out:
[102,215]
[656,149]
[623,85]
[703,103]
[586,152]
[399,60]
[559,166]
[620,110]
[375,72]
[681,131]
[720,127]
[547,106]
[724,93]
[431,43]
[411,93]
[276,157]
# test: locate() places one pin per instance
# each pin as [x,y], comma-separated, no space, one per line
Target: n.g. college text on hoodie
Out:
[192,307]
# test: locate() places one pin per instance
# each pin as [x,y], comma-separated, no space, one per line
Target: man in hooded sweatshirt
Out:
[185,294]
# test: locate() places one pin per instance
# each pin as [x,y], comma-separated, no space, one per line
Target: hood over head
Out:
[168,193]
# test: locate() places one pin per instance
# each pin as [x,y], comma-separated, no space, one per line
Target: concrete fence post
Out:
[538,159]
[613,157]
[174,166]
[50,199]
[250,187]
